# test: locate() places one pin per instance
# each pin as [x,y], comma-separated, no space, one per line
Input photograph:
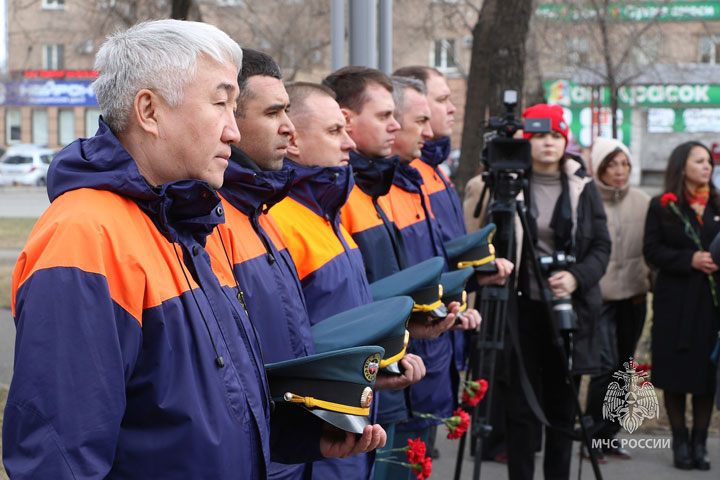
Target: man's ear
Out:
[146,109]
[349,117]
[293,148]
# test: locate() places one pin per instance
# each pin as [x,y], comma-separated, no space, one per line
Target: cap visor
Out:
[343,421]
[392,368]
[489,267]
[439,312]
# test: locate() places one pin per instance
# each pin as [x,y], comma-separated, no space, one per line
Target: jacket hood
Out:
[434,152]
[324,190]
[102,163]
[408,178]
[373,175]
[602,147]
[252,190]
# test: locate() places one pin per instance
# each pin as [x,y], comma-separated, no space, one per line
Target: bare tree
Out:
[296,34]
[497,63]
[597,45]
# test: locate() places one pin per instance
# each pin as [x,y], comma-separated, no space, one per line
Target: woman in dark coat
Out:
[685,322]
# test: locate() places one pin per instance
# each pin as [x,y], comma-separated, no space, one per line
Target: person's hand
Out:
[336,443]
[470,319]
[703,261]
[504,269]
[433,329]
[563,284]
[414,371]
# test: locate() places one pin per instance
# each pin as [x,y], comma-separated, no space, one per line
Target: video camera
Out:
[565,316]
[505,152]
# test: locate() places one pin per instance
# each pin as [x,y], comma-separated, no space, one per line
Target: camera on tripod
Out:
[505,152]
[565,315]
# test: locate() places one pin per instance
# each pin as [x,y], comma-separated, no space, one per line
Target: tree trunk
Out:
[180,9]
[497,64]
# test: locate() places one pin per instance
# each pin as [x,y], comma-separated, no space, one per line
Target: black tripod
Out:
[504,187]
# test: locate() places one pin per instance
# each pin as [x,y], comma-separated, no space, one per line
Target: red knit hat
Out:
[553,112]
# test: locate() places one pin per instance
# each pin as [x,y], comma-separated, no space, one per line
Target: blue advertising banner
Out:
[48,93]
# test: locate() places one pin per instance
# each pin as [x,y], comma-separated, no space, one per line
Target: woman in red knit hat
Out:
[565,215]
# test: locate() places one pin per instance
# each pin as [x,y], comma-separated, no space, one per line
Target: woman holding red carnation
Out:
[686,318]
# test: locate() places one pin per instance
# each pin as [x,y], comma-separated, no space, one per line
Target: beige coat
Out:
[627,273]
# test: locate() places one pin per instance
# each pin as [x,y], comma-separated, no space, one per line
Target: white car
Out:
[25,165]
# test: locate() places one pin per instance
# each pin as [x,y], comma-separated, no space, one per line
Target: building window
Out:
[443,54]
[66,126]
[13,122]
[39,127]
[647,50]
[578,50]
[53,4]
[709,49]
[53,57]
[91,121]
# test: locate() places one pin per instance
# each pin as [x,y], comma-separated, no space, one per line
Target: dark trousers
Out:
[621,324]
[547,374]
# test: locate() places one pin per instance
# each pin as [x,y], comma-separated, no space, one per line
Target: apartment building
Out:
[670,90]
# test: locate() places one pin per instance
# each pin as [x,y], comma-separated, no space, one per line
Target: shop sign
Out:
[633,12]
[693,120]
[48,93]
[566,93]
[584,123]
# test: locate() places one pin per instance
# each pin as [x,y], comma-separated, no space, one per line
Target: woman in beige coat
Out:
[625,283]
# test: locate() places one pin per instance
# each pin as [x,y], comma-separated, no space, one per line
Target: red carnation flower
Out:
[667,198]
[458,424]
[416,450]
[427,468]
[422,469]
[474,392]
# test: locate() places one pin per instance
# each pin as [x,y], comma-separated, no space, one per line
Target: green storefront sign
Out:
[567,93]
[633,12]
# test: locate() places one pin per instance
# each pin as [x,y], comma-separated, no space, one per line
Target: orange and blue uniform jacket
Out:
[327,259]
[330,268]
[133,356]
[444,199]
[447,209]
[368,217]
[265,269]
[413,216]
[262,262]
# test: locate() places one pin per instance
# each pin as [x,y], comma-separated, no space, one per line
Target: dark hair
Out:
[298,92]
[675,173]
[608,158]
[254,63]
[349,84]
[419,72]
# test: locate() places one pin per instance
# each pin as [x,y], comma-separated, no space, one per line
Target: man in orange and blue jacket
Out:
[254,182]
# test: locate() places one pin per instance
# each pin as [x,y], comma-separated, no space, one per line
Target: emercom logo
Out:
[631,399]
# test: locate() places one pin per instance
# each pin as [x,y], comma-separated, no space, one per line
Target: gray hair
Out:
[160,55]
[399,86]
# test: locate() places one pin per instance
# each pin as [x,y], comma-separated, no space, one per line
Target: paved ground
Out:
[23,201]
[7,346]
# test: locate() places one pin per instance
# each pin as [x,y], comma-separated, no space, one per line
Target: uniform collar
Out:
[434,152]
[252,190]
[324,190]
[373,175]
